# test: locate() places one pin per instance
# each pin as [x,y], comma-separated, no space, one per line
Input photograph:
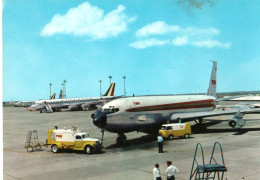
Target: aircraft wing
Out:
[198,115]
[236,122]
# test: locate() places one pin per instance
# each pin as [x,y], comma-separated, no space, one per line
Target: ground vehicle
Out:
[175,130]
[72,139]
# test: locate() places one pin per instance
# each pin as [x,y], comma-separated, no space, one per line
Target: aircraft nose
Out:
[99,119]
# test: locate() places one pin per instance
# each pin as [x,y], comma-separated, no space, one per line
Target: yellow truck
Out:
[175,130]
[72,139]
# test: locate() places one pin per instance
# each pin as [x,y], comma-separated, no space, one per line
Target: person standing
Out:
[160,143]
[156,172]
[171,170]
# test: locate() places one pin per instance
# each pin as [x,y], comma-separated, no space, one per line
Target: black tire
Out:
[170,137]
[54,148]
[186,136]
[88,149]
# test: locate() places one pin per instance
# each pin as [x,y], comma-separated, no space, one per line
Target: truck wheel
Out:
[186,136]
[170,137]
[54,148]
[88,149]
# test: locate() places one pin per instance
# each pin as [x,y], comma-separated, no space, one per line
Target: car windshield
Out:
[85,136]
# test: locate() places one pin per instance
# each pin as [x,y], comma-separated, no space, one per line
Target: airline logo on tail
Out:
[61,96]
[213,81]
[111,90]
[53,96]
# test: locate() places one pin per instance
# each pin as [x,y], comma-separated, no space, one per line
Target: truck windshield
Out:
[163,128]
[85,136]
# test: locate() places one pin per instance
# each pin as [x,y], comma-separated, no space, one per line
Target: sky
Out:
[162,47]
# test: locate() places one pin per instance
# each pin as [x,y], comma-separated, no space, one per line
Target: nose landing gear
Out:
[121,139]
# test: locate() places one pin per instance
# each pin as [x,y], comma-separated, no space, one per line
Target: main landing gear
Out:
[121,139]
[198,121]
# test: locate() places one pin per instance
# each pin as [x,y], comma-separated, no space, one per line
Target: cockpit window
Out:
[110,110]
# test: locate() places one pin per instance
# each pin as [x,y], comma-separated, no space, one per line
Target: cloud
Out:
[158,27]
[148,43]
[88,20]
[193,36]
[211,44]
[180,41]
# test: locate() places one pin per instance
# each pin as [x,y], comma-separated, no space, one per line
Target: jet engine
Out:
[237,122]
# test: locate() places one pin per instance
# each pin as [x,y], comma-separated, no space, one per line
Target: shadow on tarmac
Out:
[146,140]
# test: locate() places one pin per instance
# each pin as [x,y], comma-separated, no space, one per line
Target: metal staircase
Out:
[208,171]
[32,141]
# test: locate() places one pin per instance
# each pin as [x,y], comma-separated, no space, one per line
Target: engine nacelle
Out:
[237,122]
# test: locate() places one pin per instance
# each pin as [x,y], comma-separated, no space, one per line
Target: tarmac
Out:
[241,150]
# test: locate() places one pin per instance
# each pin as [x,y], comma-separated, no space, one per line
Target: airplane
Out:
[29,103]
[85,103]
[148,113]
[252,101]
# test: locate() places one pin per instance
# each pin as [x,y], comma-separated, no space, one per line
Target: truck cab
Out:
[72,139]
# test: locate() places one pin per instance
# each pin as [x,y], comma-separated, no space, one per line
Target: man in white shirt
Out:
[156,172]
[171,170]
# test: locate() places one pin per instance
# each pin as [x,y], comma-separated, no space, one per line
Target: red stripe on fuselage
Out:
[175,106]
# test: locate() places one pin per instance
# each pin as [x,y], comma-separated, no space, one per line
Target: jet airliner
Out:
[76,103]
[148,113]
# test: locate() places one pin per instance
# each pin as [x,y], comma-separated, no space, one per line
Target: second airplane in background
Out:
[86,103]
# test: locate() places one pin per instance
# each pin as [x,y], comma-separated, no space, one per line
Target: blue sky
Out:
[162,47]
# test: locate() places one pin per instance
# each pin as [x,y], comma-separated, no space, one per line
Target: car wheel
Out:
[186,135]
[170,137]
[54,148]
[88,149]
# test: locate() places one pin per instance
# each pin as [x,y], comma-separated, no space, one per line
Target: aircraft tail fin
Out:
[111,90]
[213,81]
[61,94]
[53,96]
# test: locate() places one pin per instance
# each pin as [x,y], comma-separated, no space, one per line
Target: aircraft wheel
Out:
[121,140]
[186,136]
[88,149]
[54,148]
[170,137]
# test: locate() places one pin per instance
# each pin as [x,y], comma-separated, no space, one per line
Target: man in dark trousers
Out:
[170,171]
[160,143]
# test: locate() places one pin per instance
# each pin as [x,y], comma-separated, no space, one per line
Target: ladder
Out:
[32,141]
[48,108]
[208,171]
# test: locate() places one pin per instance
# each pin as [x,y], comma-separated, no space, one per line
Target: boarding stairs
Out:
[32,141]
[208,171]
[48,108]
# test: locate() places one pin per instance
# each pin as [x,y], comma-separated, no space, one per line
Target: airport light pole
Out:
[124,85]
[50,89]
[100,87]
[110,77]
[64,88]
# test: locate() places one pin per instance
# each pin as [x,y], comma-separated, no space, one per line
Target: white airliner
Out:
[29,103]
[252,101]
[148,113]
[76,103]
